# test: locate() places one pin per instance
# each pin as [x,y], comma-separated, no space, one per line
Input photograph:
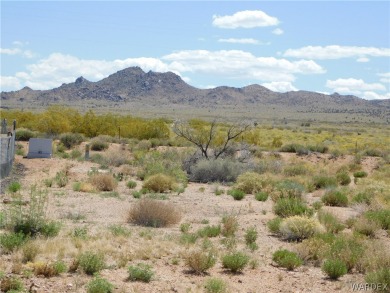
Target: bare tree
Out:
[208,139]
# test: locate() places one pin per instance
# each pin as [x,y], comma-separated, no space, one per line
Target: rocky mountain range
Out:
[132,87]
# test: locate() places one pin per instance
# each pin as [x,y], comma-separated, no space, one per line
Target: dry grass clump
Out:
[200,261]
[299,228]
[154,213]
[103,182]
[160,183]
[117,158]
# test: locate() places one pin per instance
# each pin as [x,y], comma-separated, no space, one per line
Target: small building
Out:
[40,148]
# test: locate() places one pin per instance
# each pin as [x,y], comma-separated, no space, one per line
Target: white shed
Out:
[39,148]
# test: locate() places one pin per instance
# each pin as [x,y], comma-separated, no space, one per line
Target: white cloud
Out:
[278,31]
[280,86]
[362,59]
[245,19]
[374,96]
[337,52]
[385,77]
[240,64]
[353,86]
[14,51]
[239,41]
[9,82]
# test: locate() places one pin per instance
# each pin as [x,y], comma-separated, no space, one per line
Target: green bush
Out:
[160,183]
[360,174]
[295,170]
[200,260]
[237,194]
[289,188]
[23,134]
[297,228]
[140,272]
[324,182]
[347,249]
[366,226]
[343,178]
[50,229]
[215,285]
[75,154]
[362,197]
[250,235]
[287,207]
[99,285]
[382,217]
[97,144]
[287,259]
[70,140]
[61,178]
[91,262]
[274,225]
[261,196]
[210,231]
[11,241]
[335,198]
[330,222]
[318,148]
[11,285]
[380,277]
[131,184]
[334,268]
[235,261]
[14,187]
[292,148]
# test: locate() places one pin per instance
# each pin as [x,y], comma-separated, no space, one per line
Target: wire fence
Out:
[7,148]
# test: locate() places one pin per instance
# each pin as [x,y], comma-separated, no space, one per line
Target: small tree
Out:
[208,138]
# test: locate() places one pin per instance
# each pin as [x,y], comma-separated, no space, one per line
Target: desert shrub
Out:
[98,144]
[237,194]
[29,251]
[288,188]
[334,268]
[343,178]
[362,197]
[381,278]
[318,148]
[373,153]
[50,229]
[75,154]
[382,217]
[215,285]
[235,261]
[116,158]
[200,260]
[366,226]
[274,225]
[251,182]
[317,205]
[250,235]
[185,227]
[219,170]
[91,262]
[188,238]
[153,213]
[261,196]
[19,150]
[48,269]
[99,285]
[131,184]
[229,225]
[160,183]
[295,170]
[287,259]
[335,198]
[140,272]
[70,140]
[287,207]
[324,182]
[11,285]
[210,231]
[61,178]
[11,241]
[297,228]
[347,249]
[330,222]
[14,187]
[292,148]
[314,249]
[23,134]
[360,174]
[103,182]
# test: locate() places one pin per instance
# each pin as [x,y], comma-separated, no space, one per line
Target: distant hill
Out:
[132,89]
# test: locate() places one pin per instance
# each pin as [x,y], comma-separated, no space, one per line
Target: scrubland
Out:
[299,207]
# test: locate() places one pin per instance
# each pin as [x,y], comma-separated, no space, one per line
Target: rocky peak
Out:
[81,80]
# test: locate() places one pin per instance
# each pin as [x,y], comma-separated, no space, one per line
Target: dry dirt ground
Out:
[160,247]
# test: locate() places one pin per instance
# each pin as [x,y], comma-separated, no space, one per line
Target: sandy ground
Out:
[100,212]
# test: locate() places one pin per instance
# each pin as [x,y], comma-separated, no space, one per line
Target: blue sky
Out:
[323,46]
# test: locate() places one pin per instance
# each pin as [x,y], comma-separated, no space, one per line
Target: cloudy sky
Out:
[323,46]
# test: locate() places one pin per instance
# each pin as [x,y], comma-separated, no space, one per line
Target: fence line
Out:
[7,148]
